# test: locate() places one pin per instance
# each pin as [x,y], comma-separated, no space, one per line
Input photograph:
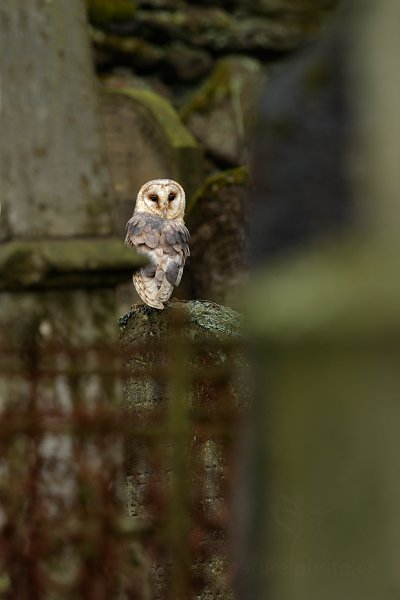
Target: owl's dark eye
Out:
[171,197]
[153,197]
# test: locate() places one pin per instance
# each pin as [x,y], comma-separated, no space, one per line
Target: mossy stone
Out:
[216,220]
[238,176]
[219,111]
[61,263]
[102,12]
[208,319]
[146,140]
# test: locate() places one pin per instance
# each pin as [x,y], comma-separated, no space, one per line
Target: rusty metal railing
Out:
[98,500]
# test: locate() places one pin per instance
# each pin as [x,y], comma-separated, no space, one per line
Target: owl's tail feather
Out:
[147,289]
[165,290]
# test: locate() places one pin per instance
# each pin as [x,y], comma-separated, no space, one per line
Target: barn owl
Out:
[157,230]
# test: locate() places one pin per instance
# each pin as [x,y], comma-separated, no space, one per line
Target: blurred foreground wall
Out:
[323,501]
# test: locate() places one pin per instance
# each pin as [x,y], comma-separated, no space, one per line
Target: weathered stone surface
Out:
[258,35]
[186,23]
[309,8]
[178,41]
[169,4]
[177,60]
[146,140]
[206,321]
[61,263]
[187,63]
[217,222]
[55,191]
[132,51]
[54,179]
[77,318]
[218,112]
[123,78]
[102,12]
[218,30]
[54,183]
[201,330]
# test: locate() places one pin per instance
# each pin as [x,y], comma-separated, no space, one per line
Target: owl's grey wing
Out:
[174,245]
[143,231]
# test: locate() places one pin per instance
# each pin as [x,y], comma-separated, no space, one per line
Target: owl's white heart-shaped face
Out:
[163,197]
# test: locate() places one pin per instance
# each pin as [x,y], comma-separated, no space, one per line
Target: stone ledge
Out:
[175,151]
[327,295]
[164,114]
[63,263]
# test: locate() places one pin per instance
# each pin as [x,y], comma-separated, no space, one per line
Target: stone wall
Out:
[185,76]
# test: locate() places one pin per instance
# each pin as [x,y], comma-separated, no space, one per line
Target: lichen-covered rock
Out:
[217,221]
[218,112]
[205,321]
[146,140]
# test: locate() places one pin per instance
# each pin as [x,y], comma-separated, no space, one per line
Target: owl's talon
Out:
[147,310]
